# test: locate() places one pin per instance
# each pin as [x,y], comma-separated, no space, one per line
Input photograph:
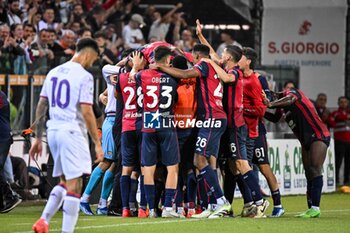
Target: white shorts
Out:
[70,152]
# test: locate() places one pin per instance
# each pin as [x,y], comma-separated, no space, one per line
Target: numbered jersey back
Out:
[66,87]
[159,91]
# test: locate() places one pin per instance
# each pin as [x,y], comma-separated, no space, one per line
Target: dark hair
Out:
[228,32]
[99,34]
[43,30]
[13,26]
[321,94]
[342,97]
[12,1]
[126,53]
[202,49]
[161,52]
[87,43]
[287,82]
[81,32]
[180,62]
[250,54]
[98,10]
[235,52]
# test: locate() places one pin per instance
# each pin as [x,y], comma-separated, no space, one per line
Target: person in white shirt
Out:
[227,38]
[132,35]
[12,12]
[48,21]
[67,94]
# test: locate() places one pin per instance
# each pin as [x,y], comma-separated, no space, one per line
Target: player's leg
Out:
[340,150]
[169,147]
[143,201]
[149,160]
[347,164]
[313,172]
[262,160]
[134,185]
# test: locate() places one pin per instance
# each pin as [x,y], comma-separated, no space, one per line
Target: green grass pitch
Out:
[335,217]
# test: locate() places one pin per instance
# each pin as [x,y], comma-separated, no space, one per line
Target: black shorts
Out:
[236,147]
[310,138]
[260,155]
[131,148]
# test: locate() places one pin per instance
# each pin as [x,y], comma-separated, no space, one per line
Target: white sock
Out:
[315,207]
[168,209]
[102,203]
[85,198]
[54,203]
[220,201]
[70,213]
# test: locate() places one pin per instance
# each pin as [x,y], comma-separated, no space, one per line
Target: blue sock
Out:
[211,197]
[202,192]
[244,189]
[125,190]
[308,193]
[179,198]
[107,184]
[210,177]
[276,197]
[132,193]
[256,172]
[150,191]
[143,201]
[191,190]
[253,185]
[316,190]
[169,197]
[95,178]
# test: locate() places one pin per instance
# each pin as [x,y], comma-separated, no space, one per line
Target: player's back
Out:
[252,91]
[66,87]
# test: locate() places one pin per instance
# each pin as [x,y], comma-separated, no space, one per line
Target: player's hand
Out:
[137,60]
[113,79]
[103,99]
[36,150]
[99,153]
[198,28]
[179,5]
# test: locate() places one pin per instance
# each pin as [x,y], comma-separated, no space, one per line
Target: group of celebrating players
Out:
[179,111]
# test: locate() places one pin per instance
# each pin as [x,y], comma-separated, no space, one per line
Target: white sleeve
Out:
[44,91]
[42,25]
[109,70]
[86,93]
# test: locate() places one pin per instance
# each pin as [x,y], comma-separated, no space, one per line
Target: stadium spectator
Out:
[132,35]
[34,17]
[40,54]
[321,108]
[20,62]
[340,121]
[77,16]
[47,21]
[228,39]
[10,50]
[187,41]
[13,12]
[66,48]
[160,24]
[85,33]
[96,18]
[106,55]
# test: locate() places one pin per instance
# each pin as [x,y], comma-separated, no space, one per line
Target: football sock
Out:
[150,197]
[308,193]
[107,184]
[191,190]
[179,197]
[212,181]
[125,190]
[202,192]
[276,197]
[169,197]
[316,190]
[143,201]
[54,202]
[95,178]
[70,212]
[244,189]
[132,193]
[253,185]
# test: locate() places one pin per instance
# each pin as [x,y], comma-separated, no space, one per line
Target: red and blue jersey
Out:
[5,130]
[233,99]
[148,50]
[302,116]
[159,97]
[132,102]
[209,93]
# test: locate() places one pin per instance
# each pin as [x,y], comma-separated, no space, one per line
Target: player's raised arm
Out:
[40,117]
[225,77]
[204,41]
[287,100]
[178,73]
